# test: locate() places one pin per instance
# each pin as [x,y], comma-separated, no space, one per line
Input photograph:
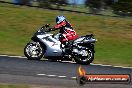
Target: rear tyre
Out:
[33,51]
[85,57]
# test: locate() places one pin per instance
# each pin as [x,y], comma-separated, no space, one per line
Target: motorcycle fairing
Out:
[53,46]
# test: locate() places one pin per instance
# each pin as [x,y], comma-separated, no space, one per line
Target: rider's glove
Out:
[47,25]
[52,29]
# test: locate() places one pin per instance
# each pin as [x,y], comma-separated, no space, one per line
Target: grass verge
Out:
[13,86]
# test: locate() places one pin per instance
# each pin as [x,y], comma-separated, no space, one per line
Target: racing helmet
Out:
[59,19]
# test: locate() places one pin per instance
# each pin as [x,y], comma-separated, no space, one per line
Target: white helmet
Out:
[59,19]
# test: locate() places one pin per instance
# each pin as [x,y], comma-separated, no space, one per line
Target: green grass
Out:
[114,46]
[13,86]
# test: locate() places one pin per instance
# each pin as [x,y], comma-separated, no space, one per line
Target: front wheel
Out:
[85,56]
[33,51]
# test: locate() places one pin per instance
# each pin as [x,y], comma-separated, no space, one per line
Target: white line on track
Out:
[121,67]
[73,77]
[62,76]
[59,76]
[71,62]
[66,61]
[13,56]
[41,74]
[111,66]
[17,56]
[51,75]
[3,55]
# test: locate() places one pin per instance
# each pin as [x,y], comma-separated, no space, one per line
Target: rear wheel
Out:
[85,56]
[33,51]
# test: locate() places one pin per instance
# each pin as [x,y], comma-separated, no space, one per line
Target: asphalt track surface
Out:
[53,74]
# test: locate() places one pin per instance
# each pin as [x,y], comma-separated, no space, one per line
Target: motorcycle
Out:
[44,44]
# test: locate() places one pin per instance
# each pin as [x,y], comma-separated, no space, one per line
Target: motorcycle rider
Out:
[66,32]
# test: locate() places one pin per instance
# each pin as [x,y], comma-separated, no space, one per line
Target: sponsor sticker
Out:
[102,78]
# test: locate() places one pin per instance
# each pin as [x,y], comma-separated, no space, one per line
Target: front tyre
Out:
[85,56]
[33,51]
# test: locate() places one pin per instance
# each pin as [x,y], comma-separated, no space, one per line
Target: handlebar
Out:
[91,35]
[45,28]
